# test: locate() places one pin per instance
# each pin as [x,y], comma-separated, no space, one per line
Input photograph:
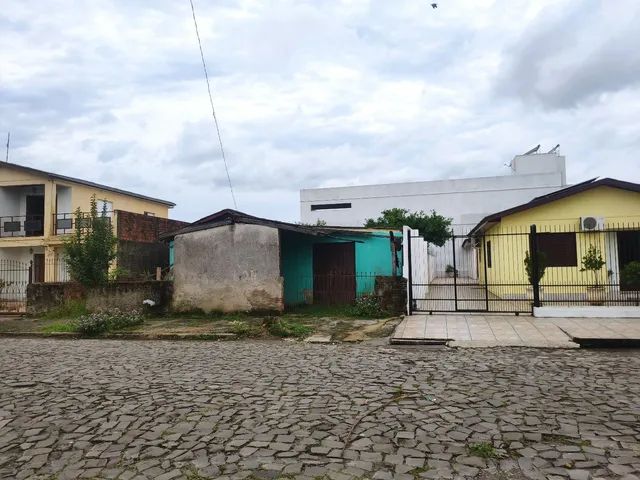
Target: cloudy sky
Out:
[315,93]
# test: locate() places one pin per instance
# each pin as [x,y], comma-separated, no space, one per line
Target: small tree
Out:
[91,249]
[592,262]
[434,228]
[528,266]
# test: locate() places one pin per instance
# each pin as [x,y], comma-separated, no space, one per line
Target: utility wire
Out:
[213,110]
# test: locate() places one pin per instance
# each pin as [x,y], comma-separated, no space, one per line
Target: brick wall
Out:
[392,292]
[136,227]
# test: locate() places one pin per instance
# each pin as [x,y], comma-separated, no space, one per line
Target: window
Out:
[105,206]
[559,249]
[330,206]
[489,254]
[150,214]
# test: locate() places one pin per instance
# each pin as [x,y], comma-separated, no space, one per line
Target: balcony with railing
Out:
[15,226]
[22,226]
[66,223]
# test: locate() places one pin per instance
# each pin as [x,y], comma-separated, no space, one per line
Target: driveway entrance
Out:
[473,330]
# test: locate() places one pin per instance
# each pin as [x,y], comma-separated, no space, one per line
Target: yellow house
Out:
[602,214]
[37,211]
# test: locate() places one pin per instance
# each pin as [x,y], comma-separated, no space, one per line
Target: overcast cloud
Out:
[316,93]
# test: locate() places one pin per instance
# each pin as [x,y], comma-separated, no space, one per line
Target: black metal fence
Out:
[328,289]
[14,278]
[513,270]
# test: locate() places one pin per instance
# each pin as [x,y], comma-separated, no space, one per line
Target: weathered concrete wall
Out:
[128,295]
[42,297]
[228,268]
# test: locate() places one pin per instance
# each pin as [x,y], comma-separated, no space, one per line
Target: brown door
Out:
[334,273]
[38,268]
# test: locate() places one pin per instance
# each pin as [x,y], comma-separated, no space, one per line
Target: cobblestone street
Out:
[197,410]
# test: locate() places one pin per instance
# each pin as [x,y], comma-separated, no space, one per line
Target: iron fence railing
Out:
[328,289]
[22,226]
[34,225]
[66,223]
[516,269]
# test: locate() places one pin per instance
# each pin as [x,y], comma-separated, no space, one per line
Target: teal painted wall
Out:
[171,257]
[373,257]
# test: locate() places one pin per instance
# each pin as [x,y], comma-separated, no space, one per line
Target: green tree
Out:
[91,249]
[434,228]
[528,266]
[592,262]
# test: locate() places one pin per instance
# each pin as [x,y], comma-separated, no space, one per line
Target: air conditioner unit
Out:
[591,223]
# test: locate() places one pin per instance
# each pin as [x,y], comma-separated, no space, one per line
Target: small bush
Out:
[100,322]
[367,306]
[241,328]
[631,275]
[281,328]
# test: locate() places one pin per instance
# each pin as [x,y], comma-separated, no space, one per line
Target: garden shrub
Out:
[367,306]
[282,328]
[100,322]
[241,328]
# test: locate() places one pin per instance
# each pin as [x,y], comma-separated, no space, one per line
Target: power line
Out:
[213,110]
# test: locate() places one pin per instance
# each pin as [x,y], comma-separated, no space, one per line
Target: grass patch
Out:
[283,328]
[417,471]
[191,473]
[60,327]
[70,309]
[336,311]
[243,328]
[483,449]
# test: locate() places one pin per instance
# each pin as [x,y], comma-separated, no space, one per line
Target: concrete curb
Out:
[123,336]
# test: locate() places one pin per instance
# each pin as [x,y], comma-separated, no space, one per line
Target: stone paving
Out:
[475,330]
[262,410]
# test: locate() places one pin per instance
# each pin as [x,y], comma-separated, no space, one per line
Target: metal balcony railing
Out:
[65,223]
[22,226]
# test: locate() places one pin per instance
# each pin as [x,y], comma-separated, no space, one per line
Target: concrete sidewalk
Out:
[474,330]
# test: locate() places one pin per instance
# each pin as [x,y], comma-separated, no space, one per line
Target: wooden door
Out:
[38,268]
[334,273]
[628,251]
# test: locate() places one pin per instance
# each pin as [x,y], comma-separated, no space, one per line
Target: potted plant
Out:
[450,271]
[593,262]
[528,267]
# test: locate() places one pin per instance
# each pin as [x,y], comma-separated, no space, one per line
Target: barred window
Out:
[559,249]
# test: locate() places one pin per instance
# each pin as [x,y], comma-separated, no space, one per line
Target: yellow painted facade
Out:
[508,240]
[78,195]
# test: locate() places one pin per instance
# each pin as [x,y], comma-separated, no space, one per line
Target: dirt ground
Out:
[337,327]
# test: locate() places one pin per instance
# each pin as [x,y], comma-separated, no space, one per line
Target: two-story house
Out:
[37,211]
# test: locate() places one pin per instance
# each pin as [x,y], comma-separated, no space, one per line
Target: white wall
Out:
[467,201]
[422,265]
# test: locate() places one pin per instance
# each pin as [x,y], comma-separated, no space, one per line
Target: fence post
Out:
[409,274]
[533,252]
[30,272]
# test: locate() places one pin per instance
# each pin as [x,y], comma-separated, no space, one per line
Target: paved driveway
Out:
[162,410]
[475,330]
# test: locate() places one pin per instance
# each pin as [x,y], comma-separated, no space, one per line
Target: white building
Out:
[466,200]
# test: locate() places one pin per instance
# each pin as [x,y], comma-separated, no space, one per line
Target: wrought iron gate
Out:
[456,277]
[511,271]
[14,278]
